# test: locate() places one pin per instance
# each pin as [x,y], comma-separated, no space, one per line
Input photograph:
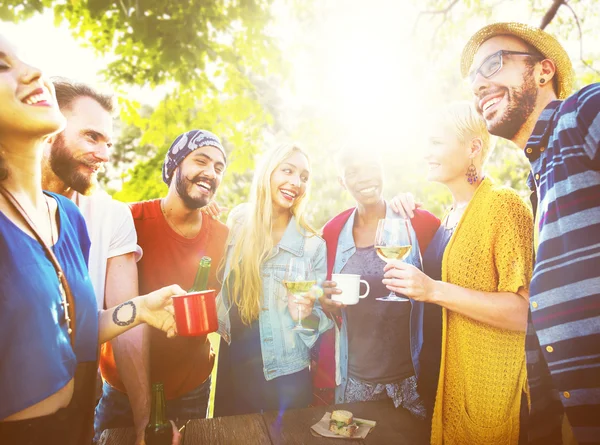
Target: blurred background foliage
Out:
[324,73]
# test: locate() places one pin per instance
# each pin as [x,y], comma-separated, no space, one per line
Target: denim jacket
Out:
[345,249]
[283,351]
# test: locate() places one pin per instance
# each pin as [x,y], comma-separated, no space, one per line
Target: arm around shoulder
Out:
[425,224]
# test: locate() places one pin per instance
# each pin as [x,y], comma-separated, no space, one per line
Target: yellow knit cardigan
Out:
[483,373]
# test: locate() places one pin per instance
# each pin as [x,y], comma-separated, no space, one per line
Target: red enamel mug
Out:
[196,313]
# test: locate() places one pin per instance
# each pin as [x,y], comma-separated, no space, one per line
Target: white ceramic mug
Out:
[349,284]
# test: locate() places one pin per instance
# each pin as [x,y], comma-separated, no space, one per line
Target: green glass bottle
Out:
[159,430]
[201,281]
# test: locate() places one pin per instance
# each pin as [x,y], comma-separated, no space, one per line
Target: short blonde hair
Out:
[463,118]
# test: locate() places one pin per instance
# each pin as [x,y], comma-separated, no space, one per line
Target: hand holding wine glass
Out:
[410,281]
[393,242]
[300,277]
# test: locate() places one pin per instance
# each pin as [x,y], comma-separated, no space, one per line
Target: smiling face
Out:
[363,178]
[198,176]
[289,181]
[446,155]
[28,104]
[506,99]
[80,152]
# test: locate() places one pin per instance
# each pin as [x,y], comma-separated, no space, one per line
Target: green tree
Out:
[155,41]
[203,52]
[222,65]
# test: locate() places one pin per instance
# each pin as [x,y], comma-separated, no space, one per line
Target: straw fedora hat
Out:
[547,45]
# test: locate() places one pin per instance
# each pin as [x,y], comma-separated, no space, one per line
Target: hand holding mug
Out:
[156,308]
[330,290]
[349,284]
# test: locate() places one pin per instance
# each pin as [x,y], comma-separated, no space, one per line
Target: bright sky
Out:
[59,54]
[363,48]
[363,65]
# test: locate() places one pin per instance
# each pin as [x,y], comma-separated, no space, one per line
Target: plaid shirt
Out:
[563,360]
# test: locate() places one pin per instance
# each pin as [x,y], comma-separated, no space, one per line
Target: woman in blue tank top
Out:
[48,348]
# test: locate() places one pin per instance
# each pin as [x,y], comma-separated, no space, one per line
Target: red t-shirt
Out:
[180,363]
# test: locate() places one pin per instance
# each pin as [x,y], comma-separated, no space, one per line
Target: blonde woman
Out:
[477,268]
[267,367]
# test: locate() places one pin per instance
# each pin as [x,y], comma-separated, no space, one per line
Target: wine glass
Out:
[392,242]
[299,278]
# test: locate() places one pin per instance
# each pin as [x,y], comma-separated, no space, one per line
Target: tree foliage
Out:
[224,69]
[154,41]
[203,52]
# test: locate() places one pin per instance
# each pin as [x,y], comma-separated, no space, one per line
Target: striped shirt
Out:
[564,359]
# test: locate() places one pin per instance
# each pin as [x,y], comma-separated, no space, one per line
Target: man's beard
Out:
[521,103]
[182,184]
[66,167]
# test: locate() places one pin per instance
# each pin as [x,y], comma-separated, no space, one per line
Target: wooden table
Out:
[394,426]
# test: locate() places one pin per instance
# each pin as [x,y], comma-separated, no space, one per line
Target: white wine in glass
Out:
[392,242]
[387,253]
[299,279]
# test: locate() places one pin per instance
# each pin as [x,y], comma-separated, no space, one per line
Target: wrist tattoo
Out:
[115,315]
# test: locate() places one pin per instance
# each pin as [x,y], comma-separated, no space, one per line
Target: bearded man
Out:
[72,160]
[175,235]
[521,78]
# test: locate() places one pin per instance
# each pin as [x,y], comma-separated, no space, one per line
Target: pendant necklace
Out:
[454,209]
[61,289]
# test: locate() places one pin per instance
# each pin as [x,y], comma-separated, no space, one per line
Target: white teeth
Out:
[290,194]
[36,98]
[489,103]
[368,190]
[204,185]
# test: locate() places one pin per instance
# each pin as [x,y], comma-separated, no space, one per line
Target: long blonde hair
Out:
[253,234]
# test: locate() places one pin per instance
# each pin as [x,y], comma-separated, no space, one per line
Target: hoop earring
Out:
[472,174]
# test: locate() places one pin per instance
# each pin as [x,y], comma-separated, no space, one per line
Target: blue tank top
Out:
[36,357]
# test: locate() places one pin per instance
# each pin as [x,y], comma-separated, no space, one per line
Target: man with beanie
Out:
[521,78]
[175,235]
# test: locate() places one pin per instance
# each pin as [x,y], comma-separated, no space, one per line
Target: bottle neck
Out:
[158,412]
[201,281]
[204,279]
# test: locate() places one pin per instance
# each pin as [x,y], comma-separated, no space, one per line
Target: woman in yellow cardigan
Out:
[483,256]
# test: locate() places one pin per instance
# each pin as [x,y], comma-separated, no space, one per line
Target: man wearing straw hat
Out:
[521,78]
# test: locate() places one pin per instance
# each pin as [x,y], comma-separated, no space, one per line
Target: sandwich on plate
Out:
[342,423]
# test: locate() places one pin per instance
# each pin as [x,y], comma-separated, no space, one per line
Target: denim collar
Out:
[293,239]
[346,239]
